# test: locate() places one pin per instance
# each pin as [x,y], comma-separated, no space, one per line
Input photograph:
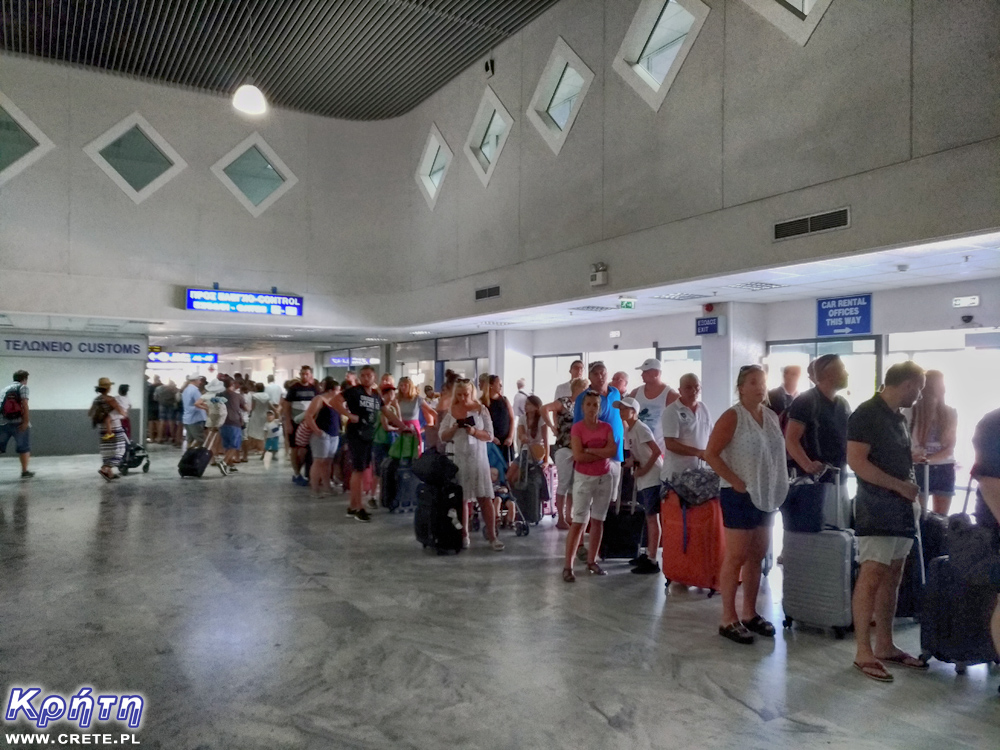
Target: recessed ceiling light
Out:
[680,296]
[756,286]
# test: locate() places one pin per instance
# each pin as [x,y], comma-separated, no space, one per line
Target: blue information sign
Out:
[184,358]
[256,303]
[707,326]
[844,316]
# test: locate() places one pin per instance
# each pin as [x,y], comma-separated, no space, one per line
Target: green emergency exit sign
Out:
[625,303]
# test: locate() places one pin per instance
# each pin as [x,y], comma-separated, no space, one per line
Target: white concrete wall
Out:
[890,108]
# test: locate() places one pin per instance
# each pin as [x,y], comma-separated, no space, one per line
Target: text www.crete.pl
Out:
[14,740]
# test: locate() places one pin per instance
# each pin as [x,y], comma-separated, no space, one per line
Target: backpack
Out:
[11,408]
[99,411]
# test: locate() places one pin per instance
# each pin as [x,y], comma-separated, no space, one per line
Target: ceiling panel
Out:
[351,59]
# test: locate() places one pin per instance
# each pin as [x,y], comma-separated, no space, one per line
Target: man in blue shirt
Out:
[194,415]
[599,384]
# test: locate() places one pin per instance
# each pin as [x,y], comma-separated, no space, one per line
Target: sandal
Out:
[874,670]
[107,476]
[760,626]
[568,575]
[735,632]
[903,659]
[596,570]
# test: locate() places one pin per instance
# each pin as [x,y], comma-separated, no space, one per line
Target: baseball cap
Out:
[628,402]
[650,364]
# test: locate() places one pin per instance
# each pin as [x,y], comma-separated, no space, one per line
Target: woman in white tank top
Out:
[747,451]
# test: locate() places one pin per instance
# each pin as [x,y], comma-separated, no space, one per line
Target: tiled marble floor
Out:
[252,616]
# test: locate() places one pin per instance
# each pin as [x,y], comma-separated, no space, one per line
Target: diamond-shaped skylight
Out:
[136,157]
[255,174]
[433,166]
[559,95]
[796,18]
[489,132]
[21,142]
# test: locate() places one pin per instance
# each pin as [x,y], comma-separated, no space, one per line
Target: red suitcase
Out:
[693,543]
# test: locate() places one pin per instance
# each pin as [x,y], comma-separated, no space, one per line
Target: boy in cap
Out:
[645,460]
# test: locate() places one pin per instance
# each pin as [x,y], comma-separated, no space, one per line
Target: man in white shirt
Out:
[566,389]
[687,426]
[273,390]
[520,399]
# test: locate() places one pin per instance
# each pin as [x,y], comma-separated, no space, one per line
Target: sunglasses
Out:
[592,393]
[463,380]
[746,368]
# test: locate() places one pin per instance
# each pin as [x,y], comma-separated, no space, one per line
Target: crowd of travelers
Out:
[899,445]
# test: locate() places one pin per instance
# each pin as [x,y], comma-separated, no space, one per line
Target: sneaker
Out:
[372,504]
[638,560]
[351,512]
[223,468]
[646,567]
[497,545]
[300,480]
[362,515]
[232,469]
[27,474]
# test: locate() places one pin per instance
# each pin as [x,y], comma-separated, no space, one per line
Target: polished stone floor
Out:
[251,615]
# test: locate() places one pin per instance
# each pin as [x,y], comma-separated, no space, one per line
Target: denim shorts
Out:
[942,479]
[322,445]
[649,499]
[739,512]
[232,437]
[22,440]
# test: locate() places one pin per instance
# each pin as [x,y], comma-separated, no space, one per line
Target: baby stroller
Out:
[135,456]
[518,522]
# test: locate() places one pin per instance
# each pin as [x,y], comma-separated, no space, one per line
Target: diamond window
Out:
[21,142]
[433,166]
[136,157]
[798,19]
[659,39]
[559,95]
[489,133]
[254,174]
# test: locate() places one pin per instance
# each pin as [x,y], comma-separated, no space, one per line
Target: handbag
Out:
[803,509]
[695,486]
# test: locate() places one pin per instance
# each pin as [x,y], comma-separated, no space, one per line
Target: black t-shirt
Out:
[825,422]
[987,444]
[234,412]
[300,395]
[779,401]
[879,511]
[367,406]
[501,418]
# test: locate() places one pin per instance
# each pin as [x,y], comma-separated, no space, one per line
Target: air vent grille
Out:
[756,286]
[825,222]
[487,292]
[593,308]
[680,296]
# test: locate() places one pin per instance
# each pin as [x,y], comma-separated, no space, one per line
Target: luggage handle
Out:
[968,492]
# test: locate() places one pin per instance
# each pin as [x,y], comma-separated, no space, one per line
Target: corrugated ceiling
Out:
[352,59]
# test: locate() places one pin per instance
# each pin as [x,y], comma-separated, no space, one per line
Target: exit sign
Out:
[626,303]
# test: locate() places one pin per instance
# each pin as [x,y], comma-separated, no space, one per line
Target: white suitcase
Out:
[819,571]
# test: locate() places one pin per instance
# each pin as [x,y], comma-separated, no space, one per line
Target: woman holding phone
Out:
[468,426]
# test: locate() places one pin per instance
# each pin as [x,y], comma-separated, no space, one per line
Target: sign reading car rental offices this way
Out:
[844,316]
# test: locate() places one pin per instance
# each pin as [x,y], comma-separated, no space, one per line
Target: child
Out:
[645,460]
[272,441]
[501,495]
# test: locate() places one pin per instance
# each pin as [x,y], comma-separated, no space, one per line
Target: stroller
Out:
[518,522]
[135,456]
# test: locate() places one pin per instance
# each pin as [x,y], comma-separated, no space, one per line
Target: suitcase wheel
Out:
[145,468]
[839,633]
[123,469]
[666,585]
[787,622]
[711,593]
[960,667]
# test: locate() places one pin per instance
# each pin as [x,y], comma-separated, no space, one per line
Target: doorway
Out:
[550,371]
[862,357]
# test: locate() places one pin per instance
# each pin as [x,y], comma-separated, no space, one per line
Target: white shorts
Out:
[323,446]
[883,549]
[616,480]
[591,497]
[564,470]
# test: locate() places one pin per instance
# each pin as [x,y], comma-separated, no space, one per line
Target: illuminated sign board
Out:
[254,303]
[352,361]
[183,358]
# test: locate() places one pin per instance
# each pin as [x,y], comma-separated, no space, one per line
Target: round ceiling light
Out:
[250,100]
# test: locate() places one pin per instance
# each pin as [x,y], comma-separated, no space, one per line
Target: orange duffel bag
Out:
[692,541]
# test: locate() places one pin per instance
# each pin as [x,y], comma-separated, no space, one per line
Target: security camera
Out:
[966,319]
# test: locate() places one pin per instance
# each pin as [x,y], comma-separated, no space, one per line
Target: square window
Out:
[136,157]
[559,95]
[489,133]
[798,19]
[21,142]
[659,39]
[433,166]
[254,174]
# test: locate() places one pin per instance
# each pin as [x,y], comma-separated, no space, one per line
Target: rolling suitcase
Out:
[529,495]
[195,460]
[692,541]
[955,622]
[812,506]
[438,518]
[819,571]
[387,473]
[911,588]
[407,488]
[624,523]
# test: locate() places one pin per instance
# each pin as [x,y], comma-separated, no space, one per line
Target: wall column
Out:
[743,343]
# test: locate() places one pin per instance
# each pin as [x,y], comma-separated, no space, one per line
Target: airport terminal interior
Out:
[199,197]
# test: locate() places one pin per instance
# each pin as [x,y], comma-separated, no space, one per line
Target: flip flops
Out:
[874,670]
[903,659]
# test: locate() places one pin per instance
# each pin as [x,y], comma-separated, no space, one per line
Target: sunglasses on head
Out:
[745,368]
[463,380]
[592,393]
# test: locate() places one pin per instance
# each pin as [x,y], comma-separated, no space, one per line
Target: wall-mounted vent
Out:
[839,219]
[496,323]
[593,308]
[488,292]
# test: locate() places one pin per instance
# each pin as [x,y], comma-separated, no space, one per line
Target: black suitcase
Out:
[624,524]
[387,483]
[955,621]
[437,521]
[911,588]
[195,460]
[933,536]
[529,499]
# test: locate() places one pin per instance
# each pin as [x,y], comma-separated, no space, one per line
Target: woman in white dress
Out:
[468,426]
